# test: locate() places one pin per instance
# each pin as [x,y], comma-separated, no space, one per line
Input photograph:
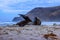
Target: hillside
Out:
[45,13]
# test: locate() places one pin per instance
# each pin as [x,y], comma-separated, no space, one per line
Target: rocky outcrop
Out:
[17,19]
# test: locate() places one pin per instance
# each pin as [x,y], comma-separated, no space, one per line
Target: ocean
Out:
[50,23]
[7,23]
[43,23]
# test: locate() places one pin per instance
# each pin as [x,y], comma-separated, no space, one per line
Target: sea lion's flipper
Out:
[26,17]
[23,16]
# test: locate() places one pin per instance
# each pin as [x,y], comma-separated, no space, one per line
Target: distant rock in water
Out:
[44,13]
[17,19]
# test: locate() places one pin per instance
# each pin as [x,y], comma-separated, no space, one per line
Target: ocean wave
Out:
[43,23]
[7,23]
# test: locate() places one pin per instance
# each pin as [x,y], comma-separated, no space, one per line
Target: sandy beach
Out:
[28,32]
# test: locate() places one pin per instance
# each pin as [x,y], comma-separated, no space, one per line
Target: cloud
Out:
[53,1]
[47,1]
[16,11]
[5,6]
[16,6]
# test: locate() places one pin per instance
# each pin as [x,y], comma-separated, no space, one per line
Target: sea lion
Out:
[24,22]
[26,18]
[36,21]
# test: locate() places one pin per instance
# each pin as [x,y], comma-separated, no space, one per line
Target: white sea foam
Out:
[7,23]
[50,23]
[43,23]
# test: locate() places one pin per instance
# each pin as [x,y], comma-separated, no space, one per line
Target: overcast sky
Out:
[10,8]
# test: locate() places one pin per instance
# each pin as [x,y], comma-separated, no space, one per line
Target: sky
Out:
[11,8]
